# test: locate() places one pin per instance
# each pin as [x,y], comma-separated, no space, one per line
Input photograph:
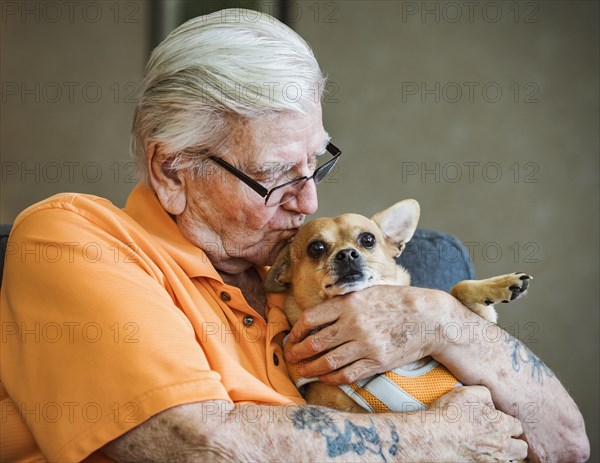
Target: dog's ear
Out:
[399,222]
[280,275]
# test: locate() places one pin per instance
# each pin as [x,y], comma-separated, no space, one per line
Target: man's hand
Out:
[368,332]
[384,327]
[476,430]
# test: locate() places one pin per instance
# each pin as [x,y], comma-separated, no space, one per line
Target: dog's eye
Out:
[366,240]
[316,249]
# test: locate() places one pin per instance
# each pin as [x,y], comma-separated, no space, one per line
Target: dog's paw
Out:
[504,288]
[481,295]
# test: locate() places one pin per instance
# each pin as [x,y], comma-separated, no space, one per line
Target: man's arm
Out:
[459,427]
[411,323]
[522,386]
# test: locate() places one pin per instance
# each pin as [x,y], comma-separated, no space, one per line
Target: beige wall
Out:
[69,75]
[522,169]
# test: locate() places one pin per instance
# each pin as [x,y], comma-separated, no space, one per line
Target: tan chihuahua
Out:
[333,256]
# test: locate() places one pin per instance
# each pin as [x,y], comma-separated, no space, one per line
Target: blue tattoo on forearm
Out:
[352,438]
[521,355]
[395,439]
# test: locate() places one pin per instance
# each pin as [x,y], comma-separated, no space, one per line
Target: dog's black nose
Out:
[347,254]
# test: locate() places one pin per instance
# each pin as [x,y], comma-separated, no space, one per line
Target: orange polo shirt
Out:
[111,316]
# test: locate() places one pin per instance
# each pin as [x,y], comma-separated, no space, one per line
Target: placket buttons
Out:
[225,297]
[248,320]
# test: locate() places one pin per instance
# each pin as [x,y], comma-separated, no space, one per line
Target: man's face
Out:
[230,221]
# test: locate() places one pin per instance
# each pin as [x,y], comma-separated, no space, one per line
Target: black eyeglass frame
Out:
[266,193]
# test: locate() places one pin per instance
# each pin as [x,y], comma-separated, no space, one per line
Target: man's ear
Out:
[168,184]
[399,222]
[280,275]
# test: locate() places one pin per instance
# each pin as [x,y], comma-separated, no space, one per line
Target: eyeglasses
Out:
[281,194]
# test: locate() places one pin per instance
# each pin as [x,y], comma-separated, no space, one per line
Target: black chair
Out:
[436,260]
[4,232]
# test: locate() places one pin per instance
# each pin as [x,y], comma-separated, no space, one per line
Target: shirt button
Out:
[225,296]
[275,359]
[248,320]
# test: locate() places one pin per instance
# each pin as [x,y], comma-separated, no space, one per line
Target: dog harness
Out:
[398,390]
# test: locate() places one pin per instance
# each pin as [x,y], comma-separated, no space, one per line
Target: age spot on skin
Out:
[398,339]
[177,431]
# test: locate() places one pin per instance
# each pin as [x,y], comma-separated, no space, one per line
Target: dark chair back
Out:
[436,260]
[4,232]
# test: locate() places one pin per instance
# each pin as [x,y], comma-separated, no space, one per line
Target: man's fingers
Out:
[314,344]
[480,393]
[311,319]
[307,348]
[517,449]
[516,427]
[358,370]
[338,358]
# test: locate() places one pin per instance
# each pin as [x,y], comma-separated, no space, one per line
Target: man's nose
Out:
[306,202]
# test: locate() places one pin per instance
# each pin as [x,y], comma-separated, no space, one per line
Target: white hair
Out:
[214,70]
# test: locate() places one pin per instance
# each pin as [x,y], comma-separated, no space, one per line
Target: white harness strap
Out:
[398,390]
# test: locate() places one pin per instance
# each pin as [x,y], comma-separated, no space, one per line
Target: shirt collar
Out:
[144,207]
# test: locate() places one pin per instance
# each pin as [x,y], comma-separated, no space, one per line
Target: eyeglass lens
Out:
[285,193]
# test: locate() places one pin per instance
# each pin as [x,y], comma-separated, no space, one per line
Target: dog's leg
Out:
[330,396]
[480,295]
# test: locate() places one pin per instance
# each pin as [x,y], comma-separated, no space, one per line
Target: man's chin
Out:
[268,250]
[273,253]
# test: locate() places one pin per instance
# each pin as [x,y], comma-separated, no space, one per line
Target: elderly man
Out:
[145,333]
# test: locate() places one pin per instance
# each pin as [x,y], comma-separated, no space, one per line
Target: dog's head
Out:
[329,257]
